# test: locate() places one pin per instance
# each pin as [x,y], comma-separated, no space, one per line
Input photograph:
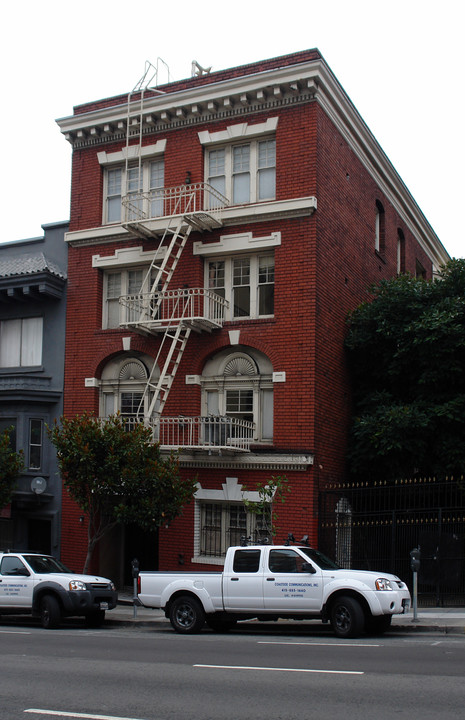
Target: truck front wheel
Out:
[187,615]
[347,618]
[50,614]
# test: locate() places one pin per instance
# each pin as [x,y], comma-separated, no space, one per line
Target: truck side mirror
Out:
[415,556]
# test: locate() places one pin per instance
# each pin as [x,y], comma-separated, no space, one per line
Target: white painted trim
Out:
[131,153]
[237,243]
[231,491]
[241,130]
[125,257]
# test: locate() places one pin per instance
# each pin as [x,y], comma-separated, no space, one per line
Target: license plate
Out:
[103,606]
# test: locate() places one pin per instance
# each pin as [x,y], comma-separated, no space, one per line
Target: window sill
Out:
[380,256]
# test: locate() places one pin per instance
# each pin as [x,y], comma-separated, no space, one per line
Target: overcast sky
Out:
[401,63]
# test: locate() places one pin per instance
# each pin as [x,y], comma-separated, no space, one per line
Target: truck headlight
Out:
[77,585]
[383,584]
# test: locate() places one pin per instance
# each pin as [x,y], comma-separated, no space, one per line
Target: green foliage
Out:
[269,492]
[117,475]
[406,353]
[11,464]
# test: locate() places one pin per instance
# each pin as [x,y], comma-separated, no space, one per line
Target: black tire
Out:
[50,613]
[187,615]
[220,624]
[347,618]
[378,625]
[95,619]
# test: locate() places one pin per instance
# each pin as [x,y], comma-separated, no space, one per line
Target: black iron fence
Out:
[374,526]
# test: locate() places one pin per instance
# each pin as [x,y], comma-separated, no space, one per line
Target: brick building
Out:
[221,229]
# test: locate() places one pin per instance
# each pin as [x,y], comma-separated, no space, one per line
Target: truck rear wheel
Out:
[187,615]
[50,614]
[347,618]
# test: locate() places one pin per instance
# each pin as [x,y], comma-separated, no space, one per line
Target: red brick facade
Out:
[324,263]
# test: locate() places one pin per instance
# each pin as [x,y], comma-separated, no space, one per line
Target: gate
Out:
[374,526]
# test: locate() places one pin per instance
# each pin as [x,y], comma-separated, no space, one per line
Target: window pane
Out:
[266,285]
[266,154]
[157,181]
[216,276]
[35,444]
[114,195]
[267,414]
[31,341]
[10,343]
[267,184]
[241,158]
[241,188]
[242,302]
[216,159]
[246,561]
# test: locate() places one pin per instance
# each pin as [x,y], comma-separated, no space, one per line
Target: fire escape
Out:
[172,314]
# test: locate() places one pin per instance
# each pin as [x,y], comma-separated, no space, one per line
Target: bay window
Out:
[21,342]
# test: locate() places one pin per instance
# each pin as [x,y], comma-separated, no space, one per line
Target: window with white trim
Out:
[21,342]
[243,172]
[225,524]
[115,284]
[246,282]
[122,388]
[240,385]
[144,186]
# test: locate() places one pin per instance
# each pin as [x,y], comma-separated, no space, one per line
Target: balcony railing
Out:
[195,198]
[197,307]
[210,433]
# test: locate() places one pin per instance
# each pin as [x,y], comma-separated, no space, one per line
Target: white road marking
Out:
[289,642]
[89,716]
[280,669]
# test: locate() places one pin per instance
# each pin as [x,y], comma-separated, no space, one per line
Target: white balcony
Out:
[210,434]
[197,308]
[199,203]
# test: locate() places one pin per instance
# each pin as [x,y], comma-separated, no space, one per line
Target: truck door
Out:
[290,587]
[16,583]
[242,586]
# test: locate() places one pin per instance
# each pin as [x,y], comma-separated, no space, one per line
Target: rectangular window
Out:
[244,173]
[246,282]
[223,525]
[115,285]
[35,444]
[21,342]
[142,186]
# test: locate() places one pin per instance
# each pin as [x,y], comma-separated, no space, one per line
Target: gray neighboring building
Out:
[33,276]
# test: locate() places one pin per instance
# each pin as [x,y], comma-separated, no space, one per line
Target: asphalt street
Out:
[137,672]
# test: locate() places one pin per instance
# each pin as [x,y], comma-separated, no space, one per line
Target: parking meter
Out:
[135,575]
[135,568]
[415,556]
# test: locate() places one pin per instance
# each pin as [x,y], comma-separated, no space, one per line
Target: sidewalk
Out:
[438,620]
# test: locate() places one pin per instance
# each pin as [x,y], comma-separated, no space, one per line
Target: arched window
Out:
[239,384]
[380,229]
[122,386]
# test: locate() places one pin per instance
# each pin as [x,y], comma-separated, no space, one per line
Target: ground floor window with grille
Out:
[226,524]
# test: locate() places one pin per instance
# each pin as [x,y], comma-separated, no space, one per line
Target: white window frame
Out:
[124,313]
[21,342]
[134,159]
[38,445]
[239,170]
[215,390]
[231,264]
[230,493]
[124,375]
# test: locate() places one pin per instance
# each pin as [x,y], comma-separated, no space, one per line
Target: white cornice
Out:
[245,95]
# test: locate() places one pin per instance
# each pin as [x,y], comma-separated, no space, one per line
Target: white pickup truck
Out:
[41,586]
[270,582]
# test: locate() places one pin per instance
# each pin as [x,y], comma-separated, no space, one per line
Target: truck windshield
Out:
[320,559]
[45,564]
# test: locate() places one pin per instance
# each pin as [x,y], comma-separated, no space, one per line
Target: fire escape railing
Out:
[191,199]
[209,433]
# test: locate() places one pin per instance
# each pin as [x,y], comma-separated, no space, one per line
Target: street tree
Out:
[11,464]
[406,352]
[117,475]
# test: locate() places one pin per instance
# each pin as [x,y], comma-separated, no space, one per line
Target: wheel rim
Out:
[342,618]
[185,615]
